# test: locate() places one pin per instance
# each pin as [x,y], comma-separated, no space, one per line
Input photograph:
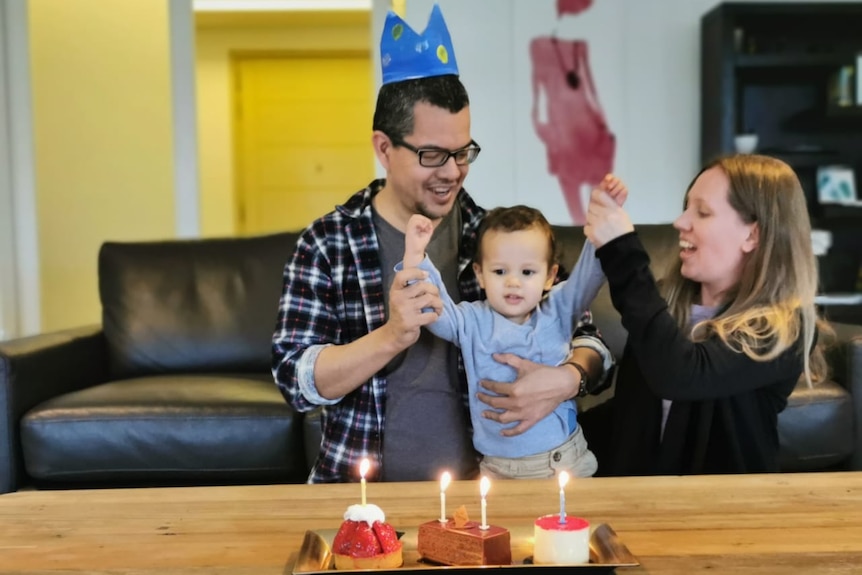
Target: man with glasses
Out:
[349,335]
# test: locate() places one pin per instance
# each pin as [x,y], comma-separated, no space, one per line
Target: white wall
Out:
[645,59]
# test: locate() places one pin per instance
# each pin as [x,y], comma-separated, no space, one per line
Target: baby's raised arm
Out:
[416,237]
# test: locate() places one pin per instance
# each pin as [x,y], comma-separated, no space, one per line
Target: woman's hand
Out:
[537,391]
[605,219]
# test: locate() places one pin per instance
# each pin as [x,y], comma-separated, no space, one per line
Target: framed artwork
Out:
[836,185]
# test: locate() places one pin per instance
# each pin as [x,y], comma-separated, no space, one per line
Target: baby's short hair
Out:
[515,219]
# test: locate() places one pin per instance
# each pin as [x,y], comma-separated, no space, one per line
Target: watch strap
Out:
[582,385]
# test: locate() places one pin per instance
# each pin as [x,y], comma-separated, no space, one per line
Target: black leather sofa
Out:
[174,387]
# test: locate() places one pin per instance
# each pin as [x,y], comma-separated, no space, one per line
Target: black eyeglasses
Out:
[436,157]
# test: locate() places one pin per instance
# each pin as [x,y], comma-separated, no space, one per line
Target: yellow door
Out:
[303,137]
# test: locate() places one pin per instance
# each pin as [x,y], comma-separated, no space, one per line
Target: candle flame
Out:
[484,486]
[364,465]
[563,479]
[445,480]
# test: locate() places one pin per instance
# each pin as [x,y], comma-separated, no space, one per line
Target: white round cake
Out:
[561,543]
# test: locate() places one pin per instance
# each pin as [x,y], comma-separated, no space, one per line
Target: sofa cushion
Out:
[217,428]
[188,306]
[312,433]
[816,429]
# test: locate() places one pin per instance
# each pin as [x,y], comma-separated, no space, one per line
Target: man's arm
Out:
[340,369]
[311,363]
[413,303]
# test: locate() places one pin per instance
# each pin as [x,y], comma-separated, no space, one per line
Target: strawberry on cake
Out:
[366,541]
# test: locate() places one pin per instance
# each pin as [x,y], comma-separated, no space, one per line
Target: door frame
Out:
[187,202]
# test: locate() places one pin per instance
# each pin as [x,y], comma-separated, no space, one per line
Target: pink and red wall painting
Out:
[567,115]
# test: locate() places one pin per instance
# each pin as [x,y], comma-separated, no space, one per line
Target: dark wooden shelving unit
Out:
[851,113]
[792,60]
[771,69]
[768,68]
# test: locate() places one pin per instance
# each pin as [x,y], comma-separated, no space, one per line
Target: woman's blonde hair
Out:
[774,300]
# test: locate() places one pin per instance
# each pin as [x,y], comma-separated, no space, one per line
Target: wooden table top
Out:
[783,523]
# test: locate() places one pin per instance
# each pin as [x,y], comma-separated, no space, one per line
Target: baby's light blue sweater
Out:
[545,338]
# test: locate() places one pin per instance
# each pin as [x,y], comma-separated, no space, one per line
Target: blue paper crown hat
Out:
[406,55]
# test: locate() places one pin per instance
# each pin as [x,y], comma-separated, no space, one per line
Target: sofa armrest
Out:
[35,369]
[845,359]
[854,373]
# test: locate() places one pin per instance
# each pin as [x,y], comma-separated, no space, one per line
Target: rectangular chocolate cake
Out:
[468,545]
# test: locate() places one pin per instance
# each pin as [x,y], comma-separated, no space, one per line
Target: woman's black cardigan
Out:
[724,417]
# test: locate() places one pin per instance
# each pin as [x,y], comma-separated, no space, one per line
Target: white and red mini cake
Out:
[366,541]
[561,543]
[461,542]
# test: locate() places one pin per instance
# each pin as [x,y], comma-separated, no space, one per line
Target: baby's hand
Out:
[615,188]
[416,237]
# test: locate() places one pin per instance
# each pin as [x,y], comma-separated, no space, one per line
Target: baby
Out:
[524,314]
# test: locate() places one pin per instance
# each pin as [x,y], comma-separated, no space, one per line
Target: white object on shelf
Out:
[849,298]
[821,241]
[745,143]
[851,203]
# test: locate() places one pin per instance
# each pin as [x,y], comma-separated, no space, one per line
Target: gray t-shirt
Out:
[426,429]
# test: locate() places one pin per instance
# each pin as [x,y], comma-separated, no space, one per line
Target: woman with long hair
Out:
[715,349]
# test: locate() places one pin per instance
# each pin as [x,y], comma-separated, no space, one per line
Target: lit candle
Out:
[484,486]
[445,479]
[563,479]
[363,469]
